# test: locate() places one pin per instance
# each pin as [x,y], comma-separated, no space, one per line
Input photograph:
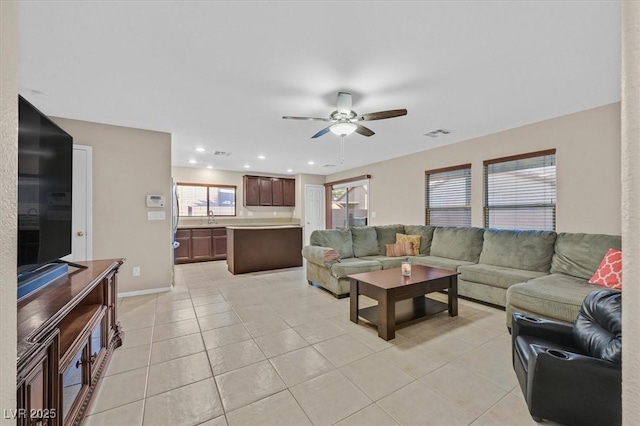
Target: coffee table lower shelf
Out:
[407,310]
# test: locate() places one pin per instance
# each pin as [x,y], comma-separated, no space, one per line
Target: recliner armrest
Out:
[584,388]
[555,331]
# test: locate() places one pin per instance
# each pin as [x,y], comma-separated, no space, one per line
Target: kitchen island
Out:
[263,248]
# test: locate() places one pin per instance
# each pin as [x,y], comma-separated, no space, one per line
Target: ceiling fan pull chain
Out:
[341,149]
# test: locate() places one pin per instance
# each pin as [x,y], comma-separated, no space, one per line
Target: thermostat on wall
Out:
[155,200]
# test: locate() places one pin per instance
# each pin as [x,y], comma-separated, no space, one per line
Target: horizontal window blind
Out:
[199,199]
[448,196]
[520,192]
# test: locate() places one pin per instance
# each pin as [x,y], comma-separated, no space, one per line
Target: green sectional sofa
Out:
[539,273]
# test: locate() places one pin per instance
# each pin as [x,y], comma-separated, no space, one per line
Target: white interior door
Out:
[81,226]
[313,210]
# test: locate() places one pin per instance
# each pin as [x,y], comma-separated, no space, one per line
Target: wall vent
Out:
[223,153]
[438,132]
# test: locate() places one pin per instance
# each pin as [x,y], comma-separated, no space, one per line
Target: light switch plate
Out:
[156,215]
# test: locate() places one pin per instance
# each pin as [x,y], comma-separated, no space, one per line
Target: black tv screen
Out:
[45,154]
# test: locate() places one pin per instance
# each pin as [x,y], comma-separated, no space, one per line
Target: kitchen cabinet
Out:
[266,189]
[183,252]
[269,191]
[201,245]
[289,192]
[277,192]
[251,191]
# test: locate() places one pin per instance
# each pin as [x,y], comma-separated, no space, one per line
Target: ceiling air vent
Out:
[438,132]
[222,153]
[329,165]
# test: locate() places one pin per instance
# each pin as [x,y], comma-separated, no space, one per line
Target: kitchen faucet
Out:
[212,217]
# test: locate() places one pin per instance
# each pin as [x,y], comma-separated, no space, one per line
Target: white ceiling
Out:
[220,75]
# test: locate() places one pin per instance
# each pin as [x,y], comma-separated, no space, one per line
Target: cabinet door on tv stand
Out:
[38,393]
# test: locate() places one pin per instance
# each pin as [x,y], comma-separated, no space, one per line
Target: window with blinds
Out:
[520,192]
[200,199]
[448,196]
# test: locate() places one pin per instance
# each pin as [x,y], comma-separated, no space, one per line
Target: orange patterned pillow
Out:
[399,249]
[609,273]
[413,239]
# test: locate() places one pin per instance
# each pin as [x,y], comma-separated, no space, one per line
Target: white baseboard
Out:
[144,292]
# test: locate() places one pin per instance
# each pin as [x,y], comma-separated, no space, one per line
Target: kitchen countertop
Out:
[270,226]
[261,225]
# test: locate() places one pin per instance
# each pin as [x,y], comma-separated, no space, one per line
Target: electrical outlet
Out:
[250,213]
[275,213]
[136,271]
[373,215]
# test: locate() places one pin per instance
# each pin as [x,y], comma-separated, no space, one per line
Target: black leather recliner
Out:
[572,374]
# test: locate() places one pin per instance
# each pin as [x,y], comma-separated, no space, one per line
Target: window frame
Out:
[208,186]
[343,183]
[487,208]
[427,174]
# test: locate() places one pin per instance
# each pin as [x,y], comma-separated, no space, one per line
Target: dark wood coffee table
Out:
[402,299]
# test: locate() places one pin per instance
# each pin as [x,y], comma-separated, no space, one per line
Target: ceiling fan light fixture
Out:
[343,129]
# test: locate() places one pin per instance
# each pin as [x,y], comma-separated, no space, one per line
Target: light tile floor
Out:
[268,349]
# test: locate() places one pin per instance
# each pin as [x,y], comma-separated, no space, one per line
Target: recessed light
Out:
[311,163]
[193,161]
[289,170]
[261,157]
[200,149]
[246,166]
[209,166]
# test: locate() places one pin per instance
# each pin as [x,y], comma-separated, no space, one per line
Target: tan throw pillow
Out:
[413,239]
[399,249]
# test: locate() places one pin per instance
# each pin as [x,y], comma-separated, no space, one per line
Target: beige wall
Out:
[588,171]
[8,198]
[631,211]
[222,177]
[129,164]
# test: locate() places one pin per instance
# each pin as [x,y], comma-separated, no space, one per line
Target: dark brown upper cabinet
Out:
[269,191]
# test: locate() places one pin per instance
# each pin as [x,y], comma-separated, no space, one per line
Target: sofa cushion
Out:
[399,249]
[414,240]
[579,255]
[552,296]
[387,262]
[387,235]
[365,241]
[426,235]
[354,266]
[339,239]
[439,262]
[497,276]
[457,243]
[528,250]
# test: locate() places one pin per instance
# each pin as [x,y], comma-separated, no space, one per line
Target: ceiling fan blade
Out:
[288,117]
[364,131]
[381,115]
[344,102]
[321,132]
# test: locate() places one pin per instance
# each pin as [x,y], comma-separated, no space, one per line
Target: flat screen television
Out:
[45,155]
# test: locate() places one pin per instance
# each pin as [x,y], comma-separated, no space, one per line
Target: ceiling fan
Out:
[346,121]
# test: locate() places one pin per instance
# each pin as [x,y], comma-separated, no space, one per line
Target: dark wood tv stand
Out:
[67,332]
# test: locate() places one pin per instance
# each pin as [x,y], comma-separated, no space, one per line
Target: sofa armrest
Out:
[556,331]
[316,254]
